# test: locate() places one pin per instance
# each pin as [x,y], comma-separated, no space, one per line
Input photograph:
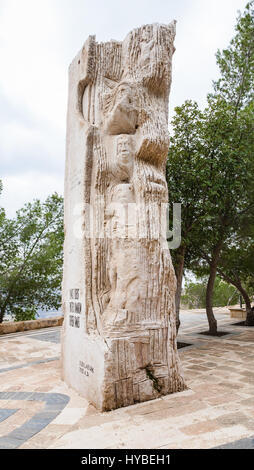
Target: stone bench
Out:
[237,312]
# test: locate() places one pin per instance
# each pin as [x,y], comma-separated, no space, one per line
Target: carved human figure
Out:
[122,166]
[121,255]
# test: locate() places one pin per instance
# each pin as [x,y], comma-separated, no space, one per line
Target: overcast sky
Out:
[39,38]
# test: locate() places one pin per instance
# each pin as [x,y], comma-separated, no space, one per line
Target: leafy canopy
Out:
[31,252]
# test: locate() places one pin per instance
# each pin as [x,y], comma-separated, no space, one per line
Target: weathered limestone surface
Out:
[119,336]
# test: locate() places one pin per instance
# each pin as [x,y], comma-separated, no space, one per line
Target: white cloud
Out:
[38,40]
[31,73]
[24,187]
[25,146]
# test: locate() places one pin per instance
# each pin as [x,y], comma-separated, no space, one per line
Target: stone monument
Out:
[119,334]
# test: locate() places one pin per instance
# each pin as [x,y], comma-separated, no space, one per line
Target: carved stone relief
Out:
[117,139]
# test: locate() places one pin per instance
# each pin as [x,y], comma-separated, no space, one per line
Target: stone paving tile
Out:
[20,417]
[198,368]
[46,437]
[54,403]
[51,337]
[201,427]
[216,409]
[247,443]
[231,385]
[5,413]
[231,419]
[209,439]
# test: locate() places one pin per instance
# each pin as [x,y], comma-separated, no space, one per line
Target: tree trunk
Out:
[209,289]
[249,311]
[2,312]
[209,301]
[249,316]
[179,280]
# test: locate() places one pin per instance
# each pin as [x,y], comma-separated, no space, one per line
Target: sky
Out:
[38,40]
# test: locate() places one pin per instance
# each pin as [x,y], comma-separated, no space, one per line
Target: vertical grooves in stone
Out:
[134,324]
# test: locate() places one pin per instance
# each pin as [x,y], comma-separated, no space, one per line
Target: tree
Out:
[195,293]
[230,152]
[236,266]
[229,135]
[31,259]
[186,174]
[224,155]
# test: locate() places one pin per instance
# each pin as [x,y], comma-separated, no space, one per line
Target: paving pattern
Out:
[38,410]
[4,414]
[54,403]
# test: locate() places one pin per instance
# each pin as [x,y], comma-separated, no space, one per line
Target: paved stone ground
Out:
[38,410]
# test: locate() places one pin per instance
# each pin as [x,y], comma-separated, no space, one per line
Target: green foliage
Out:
[210,164]
[236,264]
[236,63]
[187,167]
[194,295]
[31,252]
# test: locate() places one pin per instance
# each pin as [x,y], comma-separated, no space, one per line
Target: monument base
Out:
[123,370]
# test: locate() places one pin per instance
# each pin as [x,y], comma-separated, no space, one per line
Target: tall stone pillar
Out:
[119,334]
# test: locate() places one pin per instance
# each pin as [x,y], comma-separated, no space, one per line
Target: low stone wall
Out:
[14,327]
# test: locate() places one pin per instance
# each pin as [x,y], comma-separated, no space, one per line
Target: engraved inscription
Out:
[74,321]
[74,294]
[85,369]
[77,307]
